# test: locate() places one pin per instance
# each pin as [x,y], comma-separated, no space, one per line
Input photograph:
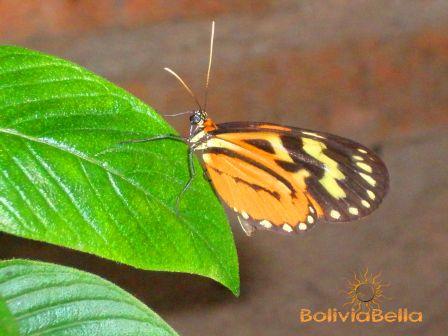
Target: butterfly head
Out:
[200,123]
[198,118]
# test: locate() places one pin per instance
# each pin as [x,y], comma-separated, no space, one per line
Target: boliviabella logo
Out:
[365,293]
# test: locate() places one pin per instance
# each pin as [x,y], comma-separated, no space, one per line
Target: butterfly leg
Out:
[158,137]
[191,169]
[192,173]
[207,176]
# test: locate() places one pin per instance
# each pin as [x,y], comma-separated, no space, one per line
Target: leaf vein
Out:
[97,195]
[70,324]
[134,184]
[58,181]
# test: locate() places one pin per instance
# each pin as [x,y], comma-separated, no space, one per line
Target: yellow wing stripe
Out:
[329,181]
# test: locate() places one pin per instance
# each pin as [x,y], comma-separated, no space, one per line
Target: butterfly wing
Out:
[283,178]
[258,194]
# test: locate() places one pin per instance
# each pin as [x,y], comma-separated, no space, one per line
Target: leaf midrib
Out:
[81,156]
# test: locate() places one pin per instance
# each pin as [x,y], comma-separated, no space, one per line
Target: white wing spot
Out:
[371,194]
[310,219]
[357,158]
[267,224]
[364,166]
[365,203]
[245,215]
[235,209]
[302,227]
[287,227]
[335,214]
[362,151]
[311,209]
[353,210]
[368,178]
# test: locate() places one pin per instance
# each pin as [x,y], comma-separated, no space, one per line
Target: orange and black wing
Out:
[286,179]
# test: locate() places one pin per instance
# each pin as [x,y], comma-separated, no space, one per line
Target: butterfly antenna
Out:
[207,80]
[185,86]
[178,114]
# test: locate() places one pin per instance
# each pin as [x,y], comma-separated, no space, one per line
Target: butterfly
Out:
[281,178]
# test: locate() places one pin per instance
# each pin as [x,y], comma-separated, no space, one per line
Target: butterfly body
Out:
[284,178]
[281,178]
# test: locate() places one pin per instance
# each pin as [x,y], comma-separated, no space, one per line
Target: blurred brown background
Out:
[374,71]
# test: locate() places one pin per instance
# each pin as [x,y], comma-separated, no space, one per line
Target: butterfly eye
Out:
[195,119]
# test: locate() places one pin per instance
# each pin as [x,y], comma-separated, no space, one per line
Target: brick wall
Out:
[370,69]
[25,20]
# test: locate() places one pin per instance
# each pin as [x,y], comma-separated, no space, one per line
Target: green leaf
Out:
[48,300]
[8,325]
[66,178]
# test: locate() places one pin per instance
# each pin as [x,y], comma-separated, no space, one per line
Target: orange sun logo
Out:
[365,291]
